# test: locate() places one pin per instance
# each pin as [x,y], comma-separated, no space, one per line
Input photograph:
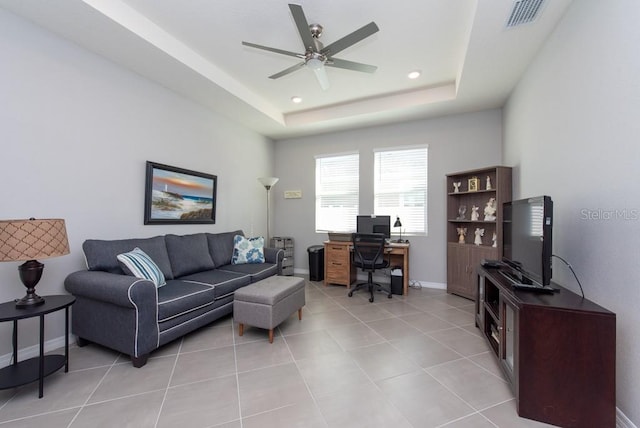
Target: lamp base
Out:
[29,300]
[30,273]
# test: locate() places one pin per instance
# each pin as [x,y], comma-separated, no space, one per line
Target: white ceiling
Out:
[468,58]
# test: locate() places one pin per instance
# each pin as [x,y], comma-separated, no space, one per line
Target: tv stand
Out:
[558,351]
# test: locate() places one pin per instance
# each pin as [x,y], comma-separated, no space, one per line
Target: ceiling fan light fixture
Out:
[414,74]
[315,63]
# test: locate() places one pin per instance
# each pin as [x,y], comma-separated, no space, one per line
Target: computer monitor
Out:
[374,224]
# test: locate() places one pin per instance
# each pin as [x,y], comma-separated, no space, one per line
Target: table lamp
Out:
[27,240]
[398,224]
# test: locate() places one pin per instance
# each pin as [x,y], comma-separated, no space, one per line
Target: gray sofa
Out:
[134,317]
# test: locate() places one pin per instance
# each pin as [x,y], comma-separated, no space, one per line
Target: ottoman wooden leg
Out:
[300,314]
[241,329]
[270,335]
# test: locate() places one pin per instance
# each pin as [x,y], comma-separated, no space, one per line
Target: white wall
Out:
[75,132]
[571,130]
[456,143]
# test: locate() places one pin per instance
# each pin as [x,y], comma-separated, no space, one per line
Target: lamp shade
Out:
[397,223]
[32,239]
[268,181]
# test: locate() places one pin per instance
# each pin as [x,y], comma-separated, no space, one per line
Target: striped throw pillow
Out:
[141,266]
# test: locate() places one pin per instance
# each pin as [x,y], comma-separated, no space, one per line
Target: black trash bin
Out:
[316,262]
[397,281]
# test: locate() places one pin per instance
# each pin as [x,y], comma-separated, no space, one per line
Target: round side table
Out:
[36,368]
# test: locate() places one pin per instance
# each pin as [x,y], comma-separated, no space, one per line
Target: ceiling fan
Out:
[316,56]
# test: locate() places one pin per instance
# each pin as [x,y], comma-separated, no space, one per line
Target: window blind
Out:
[400,187]
[337,192]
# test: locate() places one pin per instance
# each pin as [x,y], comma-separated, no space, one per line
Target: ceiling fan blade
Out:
[321,75]
[303,26]
[350,65]
[287,71]
[350,39]
[266,48]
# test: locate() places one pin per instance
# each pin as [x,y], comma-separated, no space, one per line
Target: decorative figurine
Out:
[490,210]
[462,211]
[479,234]
[494,238]
[489,183]
[456,186]
[474,213]
[462,232]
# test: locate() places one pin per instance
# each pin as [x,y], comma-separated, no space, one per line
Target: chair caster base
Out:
[370,299]
[350,294]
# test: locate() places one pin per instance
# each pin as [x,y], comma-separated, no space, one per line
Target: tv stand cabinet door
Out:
[509,316]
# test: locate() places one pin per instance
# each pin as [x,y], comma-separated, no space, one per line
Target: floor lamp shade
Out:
[268,182]
[28,240]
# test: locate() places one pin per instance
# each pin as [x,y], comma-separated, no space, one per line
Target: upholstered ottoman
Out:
[268,302]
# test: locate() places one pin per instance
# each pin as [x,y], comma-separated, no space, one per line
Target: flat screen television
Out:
[374,224]
[526,238]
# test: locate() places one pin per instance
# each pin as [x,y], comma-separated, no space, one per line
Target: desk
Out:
[339,269]
[23,372]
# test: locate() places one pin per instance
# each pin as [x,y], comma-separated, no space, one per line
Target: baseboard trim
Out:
[34,351]
[427,284]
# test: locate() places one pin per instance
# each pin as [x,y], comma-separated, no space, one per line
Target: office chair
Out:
[368,254]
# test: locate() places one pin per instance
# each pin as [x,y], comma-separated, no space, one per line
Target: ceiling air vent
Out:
[524,11]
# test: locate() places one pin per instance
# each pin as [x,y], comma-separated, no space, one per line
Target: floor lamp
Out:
[268,182]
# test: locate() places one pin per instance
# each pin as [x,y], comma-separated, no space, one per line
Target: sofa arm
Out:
[116,311]
[274,255]
[122,290]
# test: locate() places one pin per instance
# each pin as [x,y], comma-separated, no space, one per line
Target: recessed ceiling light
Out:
[414,74]
[296,100]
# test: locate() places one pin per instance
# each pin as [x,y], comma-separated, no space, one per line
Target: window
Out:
[400,187]
[337,192]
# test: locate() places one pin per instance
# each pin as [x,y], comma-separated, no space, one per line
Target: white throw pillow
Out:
[142,266]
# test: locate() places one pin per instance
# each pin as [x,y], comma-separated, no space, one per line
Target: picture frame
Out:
[474,184]
[179,196]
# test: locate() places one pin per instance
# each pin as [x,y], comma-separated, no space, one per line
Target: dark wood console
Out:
[558,351]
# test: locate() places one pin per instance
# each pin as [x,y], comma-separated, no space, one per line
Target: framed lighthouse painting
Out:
[179,196]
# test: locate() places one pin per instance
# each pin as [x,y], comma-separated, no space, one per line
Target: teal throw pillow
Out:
[140,265]
[247,250]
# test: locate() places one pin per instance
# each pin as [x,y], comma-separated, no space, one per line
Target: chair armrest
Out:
[122,290]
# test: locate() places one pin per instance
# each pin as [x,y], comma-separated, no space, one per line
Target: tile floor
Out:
[415,361]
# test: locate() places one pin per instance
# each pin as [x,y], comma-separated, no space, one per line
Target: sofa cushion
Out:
[137,263]
[247,250]
[221,246]
[188,254]
[103,254]
[255,271]
[178,297]
[224,282]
